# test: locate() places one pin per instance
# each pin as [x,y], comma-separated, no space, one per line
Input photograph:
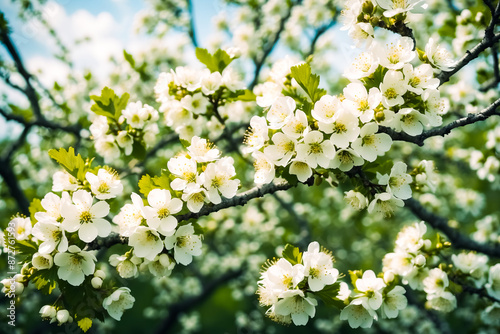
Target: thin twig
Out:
[191,29]
[444,130]
[470,55]
[457,239]
[238,200]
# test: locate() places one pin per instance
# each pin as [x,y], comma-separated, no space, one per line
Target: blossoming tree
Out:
[361,194]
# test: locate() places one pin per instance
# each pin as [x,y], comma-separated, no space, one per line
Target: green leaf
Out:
[292,254]
[74,164]
[308,81]
[162,181]
[26,247]
[109,104]
[244,95]
[329,295]
[45,280]
[129,58]
[35,206]
[85,324]
[216,62]
[146,184]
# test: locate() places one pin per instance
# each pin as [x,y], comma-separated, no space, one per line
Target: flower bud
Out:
[96,282]
[48,311]
[388,277]
[99,273]
[367,7]
[63,317]
[420,260]
[380,116]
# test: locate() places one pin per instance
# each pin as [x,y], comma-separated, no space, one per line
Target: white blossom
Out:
[345,159]
[318,267]
[146,242]
[280,112]
[371,144]
[394,301]
[314,151]
[159,213]
[384,203]
[218,179]
[264,165]
[201,150]
[74,265]
[395,55]
[438,56]
[117,302]
[360,102]
[398,181]
[85,217]
[297,305]
[185,244]
[105,184]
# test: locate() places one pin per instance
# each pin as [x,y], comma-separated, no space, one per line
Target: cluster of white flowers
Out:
[137,124]
[188,92]
[370,294]
[331,139]
[198,176]
[61,224]
[288,288]
[361,16]
[411,260]
[343,131]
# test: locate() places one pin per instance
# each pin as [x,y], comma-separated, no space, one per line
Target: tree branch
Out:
[444,130]
[457,239]
[191,29]
[15,190]
[470,55]
[238,200]
[43,122]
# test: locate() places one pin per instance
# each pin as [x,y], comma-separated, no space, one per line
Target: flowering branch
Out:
[457,239]
[444,130]
[238,200]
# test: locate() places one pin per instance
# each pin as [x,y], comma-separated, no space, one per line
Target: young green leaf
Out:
[329,295]
[35,206]
[74,164]
[129,58]
[109,104]
[146,184]
[85,324]
[308,81]
[292,254]
[216,62]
